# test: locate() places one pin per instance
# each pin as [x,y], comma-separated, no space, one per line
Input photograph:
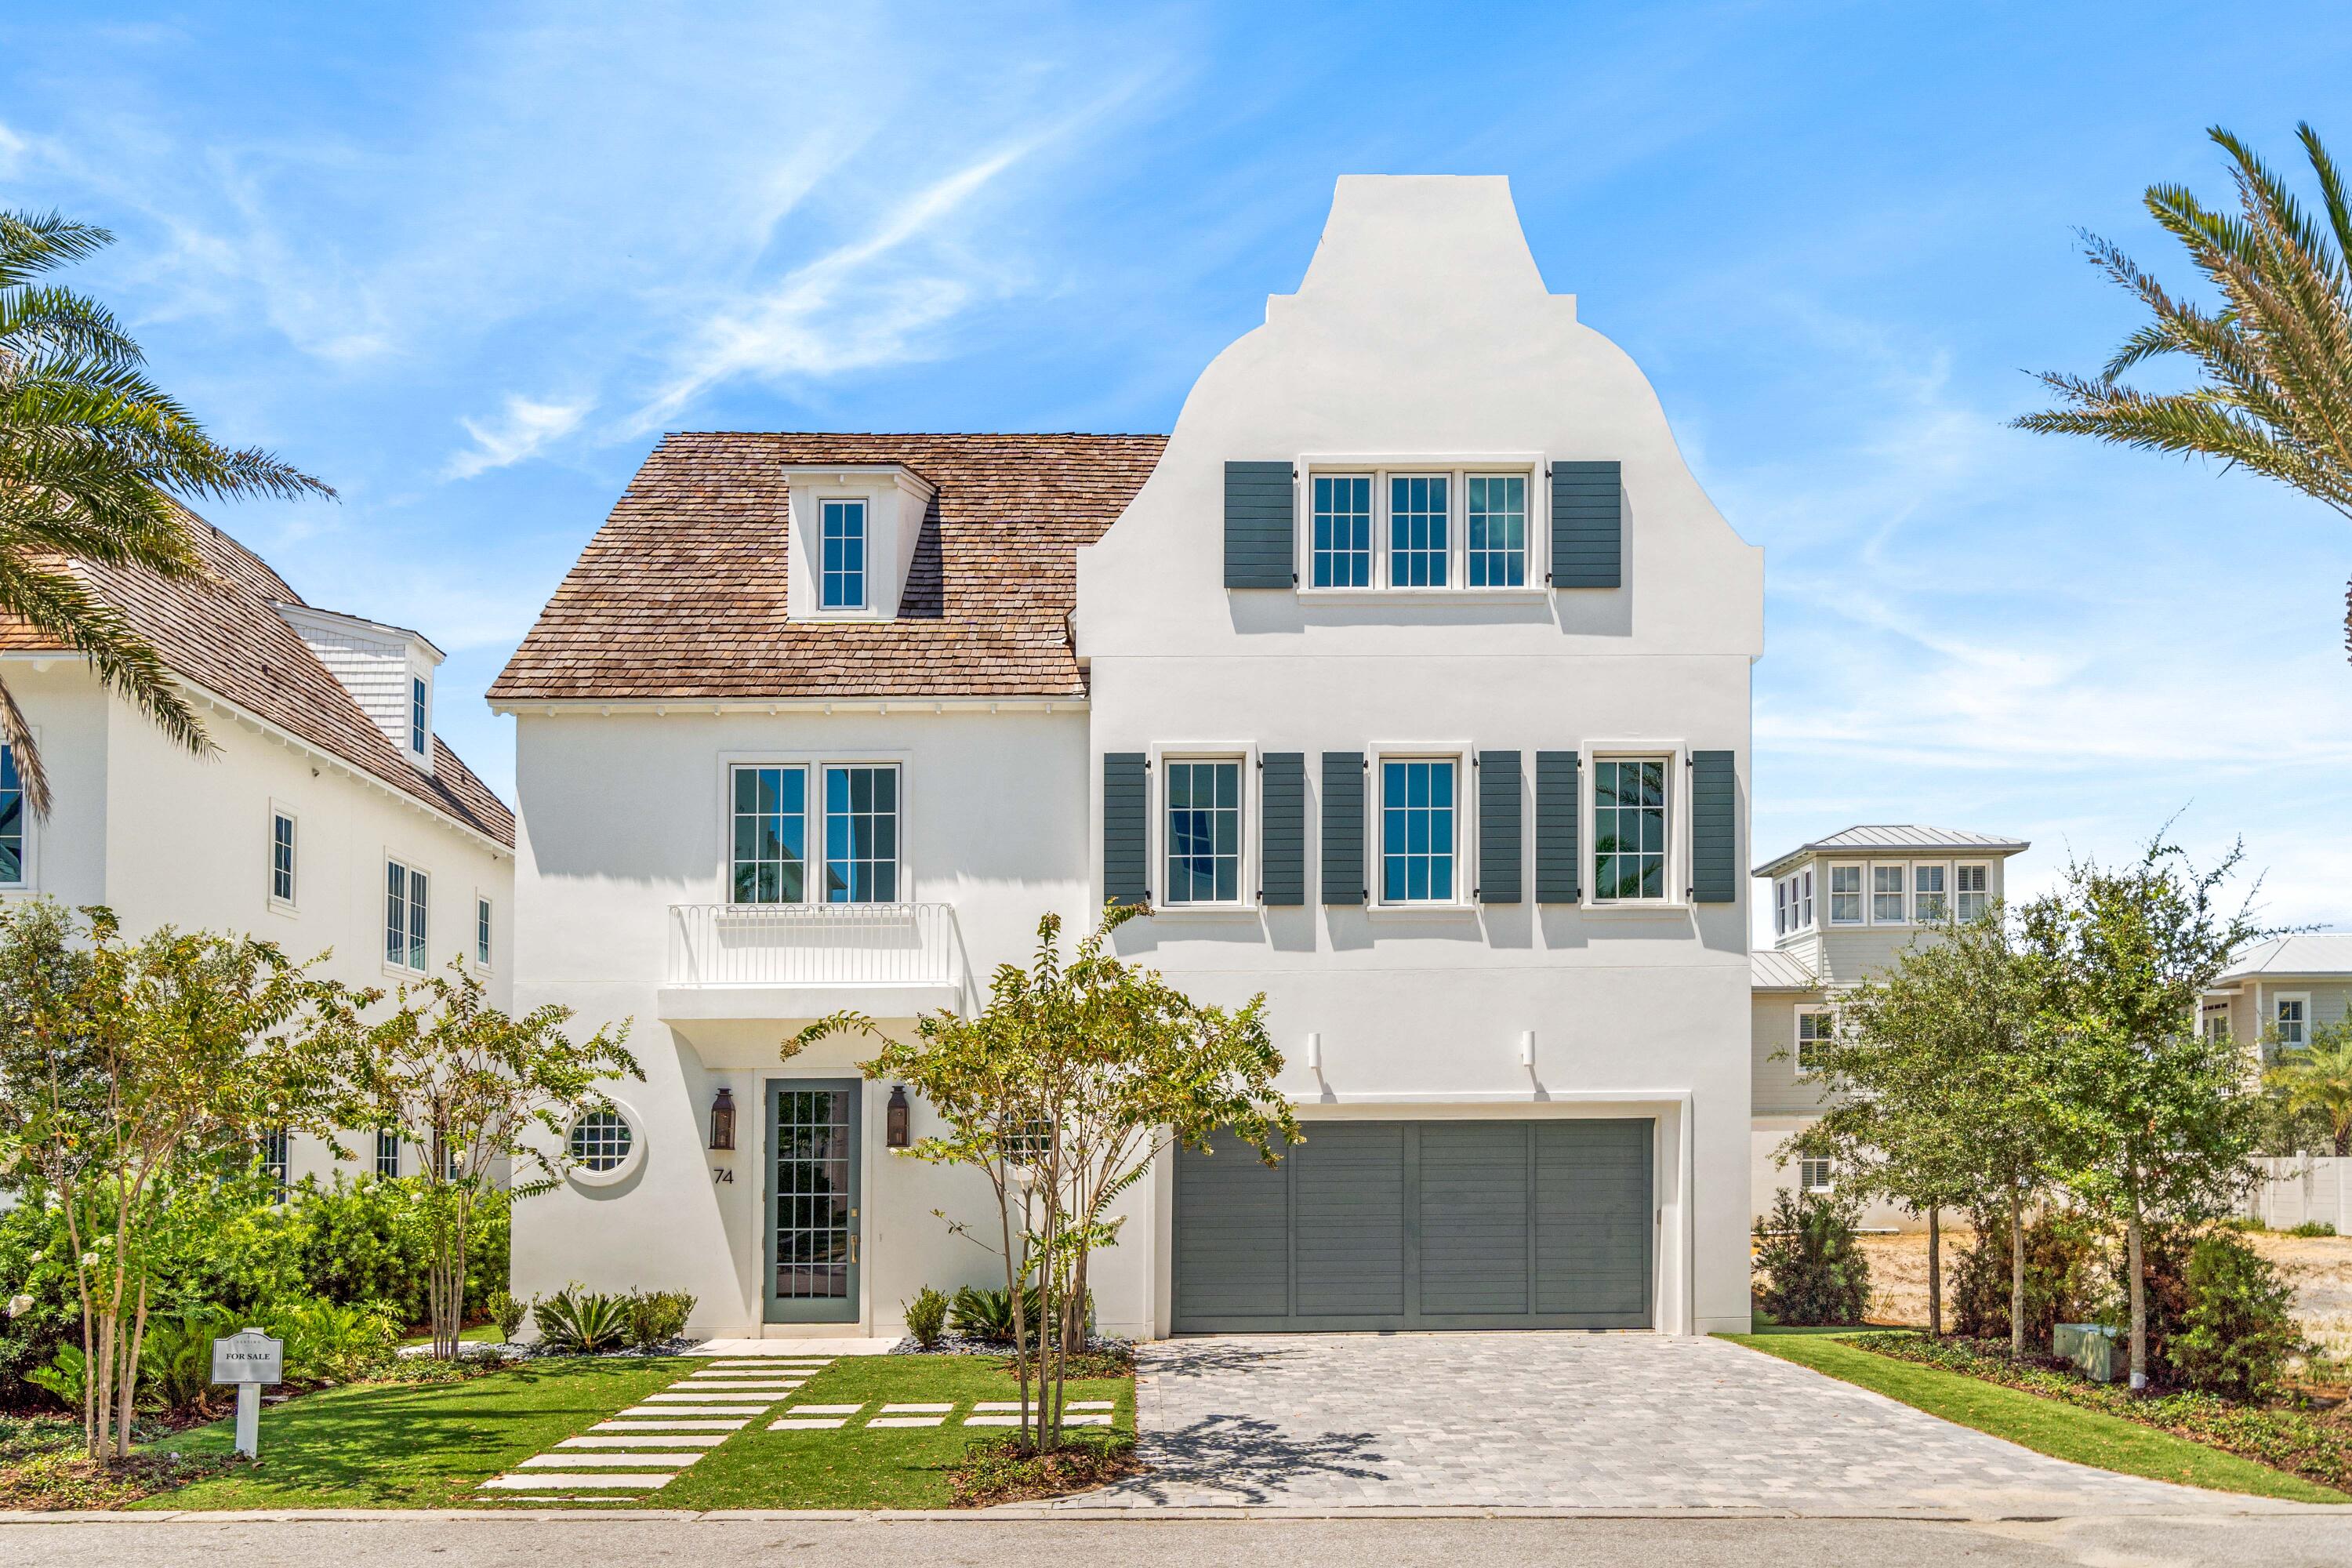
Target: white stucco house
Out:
[1407,682]
[329,818]
[1845,907]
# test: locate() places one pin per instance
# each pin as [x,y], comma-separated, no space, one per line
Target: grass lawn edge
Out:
[2046,1427]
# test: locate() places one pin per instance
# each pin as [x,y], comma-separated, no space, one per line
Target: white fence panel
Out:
[2305,1188]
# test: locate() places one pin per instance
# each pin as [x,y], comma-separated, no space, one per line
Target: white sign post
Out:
[248,1358]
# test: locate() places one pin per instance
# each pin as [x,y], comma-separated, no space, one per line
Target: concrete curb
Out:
[1034,1512]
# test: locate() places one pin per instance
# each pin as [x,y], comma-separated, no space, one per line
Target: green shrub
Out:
[334,1342]
[2314,1227]
[1811,1270]
[176,1357]
[655,1317]
[2239,1329]
[64,1377]
[2164,1252]
[2061,1281]
[988,1314]
[507,1312]
[576,1320]
[926,1317]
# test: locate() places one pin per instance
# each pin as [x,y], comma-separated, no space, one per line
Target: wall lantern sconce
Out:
[1315,1051]
[895,1121]
[722,1120]
[1527,1049]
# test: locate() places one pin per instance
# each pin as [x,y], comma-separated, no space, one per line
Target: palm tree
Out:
[2275,361]
[92,457]
[2318,1076]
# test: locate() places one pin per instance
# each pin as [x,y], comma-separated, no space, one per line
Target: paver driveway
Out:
[1608,1422]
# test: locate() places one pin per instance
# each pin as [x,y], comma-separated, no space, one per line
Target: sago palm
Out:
[2273,360]
[92,456]
[2318,1076]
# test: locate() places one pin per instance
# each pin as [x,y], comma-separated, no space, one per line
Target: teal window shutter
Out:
[1343,828]
[1556,823]
[1498,828]
[1714,829]
[1282,828]
[1588,525]
[1126,829]
[1260,523]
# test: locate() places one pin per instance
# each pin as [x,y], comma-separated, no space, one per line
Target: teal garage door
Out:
[1418,1225]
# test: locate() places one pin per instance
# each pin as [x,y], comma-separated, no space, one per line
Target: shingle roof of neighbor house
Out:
[681,593]
[1907,836]
[2312,953]
[1770,970]
[228,638]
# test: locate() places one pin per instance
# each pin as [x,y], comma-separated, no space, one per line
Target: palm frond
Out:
[32,773]
[58,605]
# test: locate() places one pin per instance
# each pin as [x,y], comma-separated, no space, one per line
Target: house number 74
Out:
[721,1177]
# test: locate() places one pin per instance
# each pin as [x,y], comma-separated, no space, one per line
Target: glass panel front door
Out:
[813,1219]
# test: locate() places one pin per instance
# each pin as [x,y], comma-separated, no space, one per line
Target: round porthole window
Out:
[604,1146]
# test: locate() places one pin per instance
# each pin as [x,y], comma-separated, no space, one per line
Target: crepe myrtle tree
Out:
[2150,1117]
[472,1087]
[1931,1076]
[129,1068]
[1078,1074]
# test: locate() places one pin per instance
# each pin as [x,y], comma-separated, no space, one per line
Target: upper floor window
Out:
[861,835]
[405,899]
[770,838]
[843,585]
[1927,898]
[387,1151]
[1343,532]
[1629,828]
[1845,895]
[1805,900]
[1972,891]
[1887,895]
[277,1157]
[1204,832]
[281,857]
[1498,531]
[1812,1033]
[1781,907]
[2294,1018]
[416,732]
[1417,823]
[1419,547]
[12,820]
[482,931]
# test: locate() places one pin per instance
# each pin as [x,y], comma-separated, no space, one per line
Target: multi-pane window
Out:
[845,556]
[601,1141]
[2217,1024]
[1972,890]
[1629,828]
[1816,1176]
[1204,832]
[1812,1033]
[482,931]
[1417,831]
[1780,908]
[1498,529]
[1418,545]
[1343,531]
[2293,1015]
[12,820]
[1928,904]
[1845,895]
[277,1154]
[416,714]
[861,835]
[771,840]
[1805,900]
[403,916]
[281,857]
[1887,896]
[387,1151]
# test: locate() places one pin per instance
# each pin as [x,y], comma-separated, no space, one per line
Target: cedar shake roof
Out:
[228,638]
[681,593]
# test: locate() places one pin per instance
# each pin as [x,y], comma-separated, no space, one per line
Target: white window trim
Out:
[1805,900]
[2276,997]
[1797,1036]
[1246,753]
[1870,893]
[1829,1183]
[1960,865]
[864,609]
[1917,867]
[28,868]
[1676,754]
[812,872]
[1830,920]
[408,715]
[630,1162]
[289,906]
[809,489]
[1460,467]
[474,943]
[393,857]
[1465,827]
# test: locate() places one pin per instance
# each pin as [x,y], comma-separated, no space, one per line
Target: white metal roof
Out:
[1909,837]
[1771,971]
[2312,953]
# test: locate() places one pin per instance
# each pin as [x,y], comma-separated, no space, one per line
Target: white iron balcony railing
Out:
[813,944]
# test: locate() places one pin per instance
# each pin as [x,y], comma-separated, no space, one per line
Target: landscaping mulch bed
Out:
[42,1466]
[2300,1442]
[1005,1469]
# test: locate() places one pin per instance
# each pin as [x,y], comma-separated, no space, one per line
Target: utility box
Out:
[2092,1347]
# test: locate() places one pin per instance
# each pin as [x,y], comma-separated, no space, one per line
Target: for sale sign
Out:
[248,1356]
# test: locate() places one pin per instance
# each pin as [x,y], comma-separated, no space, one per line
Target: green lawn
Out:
[387,1446]
[479,1334]
[2044,1426]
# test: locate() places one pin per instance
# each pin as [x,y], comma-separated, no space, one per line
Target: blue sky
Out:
[466,262]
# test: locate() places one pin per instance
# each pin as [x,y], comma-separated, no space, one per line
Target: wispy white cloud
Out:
[524,428]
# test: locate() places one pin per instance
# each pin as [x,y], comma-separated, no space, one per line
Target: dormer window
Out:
[845,556]
[417,732]
[852,532]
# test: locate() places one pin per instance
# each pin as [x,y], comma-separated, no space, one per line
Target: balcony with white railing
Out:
[803,961]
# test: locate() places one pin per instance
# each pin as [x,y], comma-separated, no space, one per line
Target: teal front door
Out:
[812,1201]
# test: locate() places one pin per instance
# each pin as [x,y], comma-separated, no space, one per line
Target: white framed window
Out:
[2291,1015]
[481,931]
[419,733]
[407,894]
[1845,895]
[1631,814]
[769,815]
[281,857]
[1889,900]
[16,863]
[1813,1026]
[1420,534]
[1971,891]
[1343,532]
[2217,1023]
[861,833]
[1422,526]
[1805,900]
[1816,1176]
[1781,907]
[1202,831]
[1496,543]
[277,1157]
[606,1145]
[1420,820]
[842,525]
[1930,900]
[387,1153]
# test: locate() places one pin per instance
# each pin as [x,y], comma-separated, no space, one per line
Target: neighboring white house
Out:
[1407,682]
[1843,908]
[327,787]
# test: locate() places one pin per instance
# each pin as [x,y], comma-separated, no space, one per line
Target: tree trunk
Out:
[2016,1272]
[2343,1141]
[1935,1273]
[2139,1298]
[131,1377]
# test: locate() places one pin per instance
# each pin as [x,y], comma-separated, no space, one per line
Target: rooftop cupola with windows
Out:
[387,669]
[854,531]
[1847,903]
